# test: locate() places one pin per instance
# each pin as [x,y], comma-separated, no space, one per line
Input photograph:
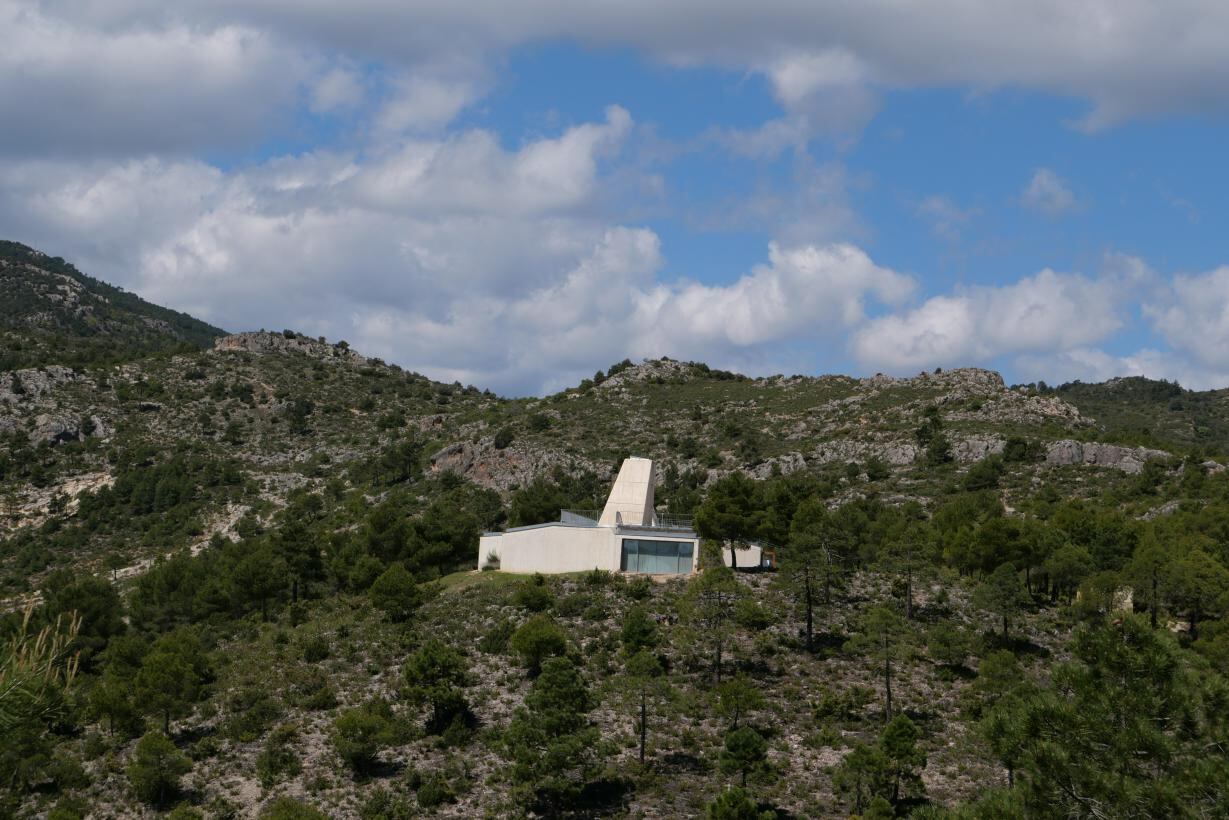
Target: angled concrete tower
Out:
[630,502]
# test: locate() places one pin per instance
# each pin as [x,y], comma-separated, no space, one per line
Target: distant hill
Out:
[1137,410]
[52,313]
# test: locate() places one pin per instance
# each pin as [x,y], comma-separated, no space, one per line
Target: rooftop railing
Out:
[659,522]
[580,518]
[590,518]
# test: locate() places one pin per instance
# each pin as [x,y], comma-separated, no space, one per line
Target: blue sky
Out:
[515,197]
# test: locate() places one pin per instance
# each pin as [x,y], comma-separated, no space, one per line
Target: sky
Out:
[514,195]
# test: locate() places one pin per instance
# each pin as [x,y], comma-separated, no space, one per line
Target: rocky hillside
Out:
[52,313]
[270,539]
[278,412]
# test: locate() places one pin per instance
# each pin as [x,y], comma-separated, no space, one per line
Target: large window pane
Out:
[656,557]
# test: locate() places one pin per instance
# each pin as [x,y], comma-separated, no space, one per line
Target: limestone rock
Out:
[1127,459]
[977,447]
[54,429]
[266,342]
[784,464]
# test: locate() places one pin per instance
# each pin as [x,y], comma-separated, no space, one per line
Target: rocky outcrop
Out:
[896,453]
[650,370]
[54,429]
[33,384]
[264,342]
[505,469]
[977,447]
[1127,459]
[780,465]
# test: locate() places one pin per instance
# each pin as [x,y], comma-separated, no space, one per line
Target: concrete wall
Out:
[632,494]
[750,556]
[553,548]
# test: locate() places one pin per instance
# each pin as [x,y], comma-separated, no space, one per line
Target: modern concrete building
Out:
[626,536]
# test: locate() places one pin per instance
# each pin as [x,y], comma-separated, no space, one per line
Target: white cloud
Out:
[1044,313]
[423,102]
[1192,314]
[124,78]
[67,88]
[1048,193]
[946,218]
[338,89]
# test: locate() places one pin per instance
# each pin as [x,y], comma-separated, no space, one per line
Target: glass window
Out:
[656,557]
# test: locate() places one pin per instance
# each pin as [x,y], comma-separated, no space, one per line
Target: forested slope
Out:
[258,558]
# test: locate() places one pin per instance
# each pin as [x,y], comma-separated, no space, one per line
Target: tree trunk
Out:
[1028,580]
[810,617]
[909,592]
[166,722]
[1004,628]
[1152,603]
[733,557]
[887,686]
[644,697]
[1011,776]
[717,665]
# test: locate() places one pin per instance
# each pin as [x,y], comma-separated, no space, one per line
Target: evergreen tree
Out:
[156,768]
[1002,594]
[814,560]
[898,742]
[551,742]
[436,674]
[536,640]
[745,751]
[883,636]
[171,676]
[711,604]
[396,593]
[732,513]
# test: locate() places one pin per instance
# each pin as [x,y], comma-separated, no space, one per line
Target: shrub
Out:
[156,768]
[503,438]
[396,594]
[534,595]
[360,733]
[435,791]
[277,759]
[495,642]
[538,639]
[287,808]
[384,804]
[315,649]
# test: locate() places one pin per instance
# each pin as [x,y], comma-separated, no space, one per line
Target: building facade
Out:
[626,536]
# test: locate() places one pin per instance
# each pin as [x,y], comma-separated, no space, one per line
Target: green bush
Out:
[538,638]
[278,758]
[156,768]
[360,733]
[534,595]
[495,642]
[435,791]
[315,649]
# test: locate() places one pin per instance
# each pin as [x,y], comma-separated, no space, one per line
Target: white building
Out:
[627,536]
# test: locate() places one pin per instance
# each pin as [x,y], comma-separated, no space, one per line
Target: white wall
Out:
[555,549]
[747,557]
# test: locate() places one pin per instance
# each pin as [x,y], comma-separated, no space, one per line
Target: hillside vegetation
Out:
[239,581]
[52,313]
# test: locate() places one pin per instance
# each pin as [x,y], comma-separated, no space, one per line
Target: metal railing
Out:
[580,518]
[660,522]
[590,518]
